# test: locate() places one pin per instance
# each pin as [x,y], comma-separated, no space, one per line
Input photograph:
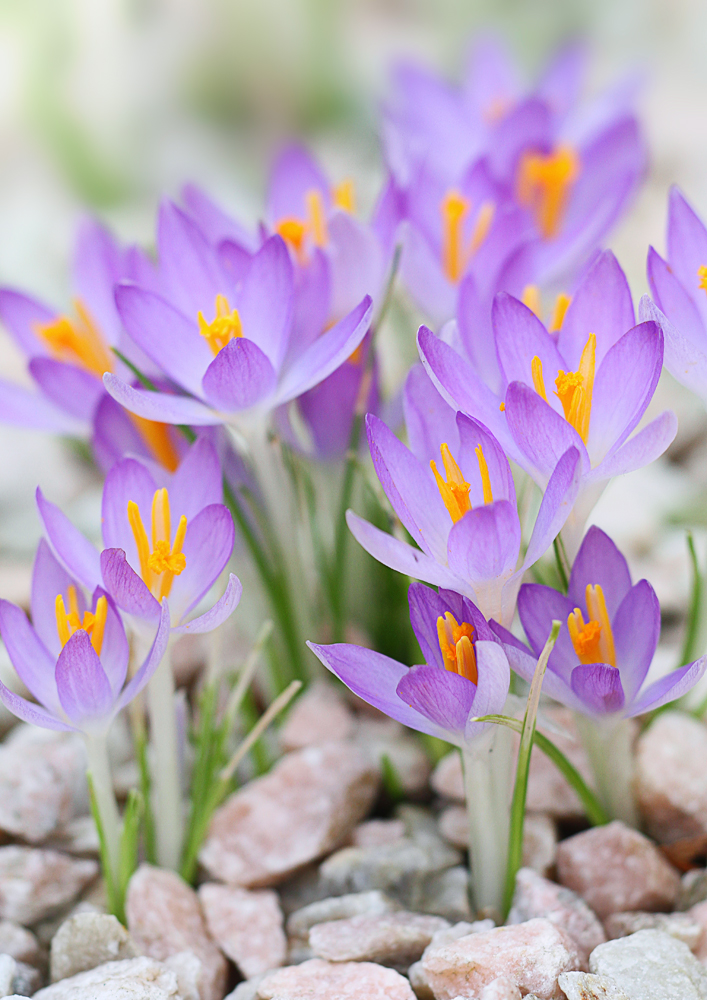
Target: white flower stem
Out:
[487,781]
[167,807]
[609,746]
[104,796]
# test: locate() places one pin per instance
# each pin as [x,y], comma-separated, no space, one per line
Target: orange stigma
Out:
[164,560]
[702,275]
[456,647]
[344,196]
[543,185]
[593,642]
[455,209]
[455,489]
[574,389]
[68,622]
[316,217]
[225,326]
[562,304]
[77,341]
[293,231]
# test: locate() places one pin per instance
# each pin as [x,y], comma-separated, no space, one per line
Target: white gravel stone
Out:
[682,926]
[134,979]
[651,965]
[585,986]
[87,940]
[352,904]
[17,941]
[35,883]
[8,970]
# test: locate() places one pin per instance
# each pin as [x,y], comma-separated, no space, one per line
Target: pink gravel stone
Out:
[165,918]
[615,868]
[35,883]
[397,939]
[670,777]
[304,808]
[375,832]
[532,955]
[536,896]
[501,989]
[247,926]
[318,716]
[320,980]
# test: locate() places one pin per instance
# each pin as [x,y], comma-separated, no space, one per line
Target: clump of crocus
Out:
[466,675]
[601,659]
[73,659]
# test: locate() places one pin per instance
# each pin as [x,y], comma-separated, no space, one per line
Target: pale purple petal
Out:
[684,358]
[561,83]
[49,578]
[240,376]
[484,544]
[115,651]
[676,302]
[97,268]
[556,505]
[21,407]
[519,337]
[197,482]
[426,606]
[669,688]
[423,276]
[72,389]
[152,661]
[207,548]
[327,352]
[328,408]
[375,678]
[599,561]
[441,696]
[221,610]
[494,679]
[527,125]
[188,266]
[294,173]
[160,406]
[538,607]
[20,314]
[83,688]
[473,435]
[357,265]
[476,333]
[29,712]
[73,550]
[524,664]
[598,686]
[542,436]
[265,299]
[602,305]
[128,480]
[429,420]
[311,304]
[29,656]
[125,587]
[687,247]
[636,628]
[211,219]
[642,449]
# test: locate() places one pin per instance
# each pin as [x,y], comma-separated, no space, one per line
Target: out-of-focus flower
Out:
[556,171]
[604,371]
[465,518]
[68,354]
[159,541]
[609,635]
[466,672]
[224,335]
[73,658]
[679,290]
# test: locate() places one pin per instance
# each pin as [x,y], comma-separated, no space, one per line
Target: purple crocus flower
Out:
[606,645]
[223,331]
[679,289]
[73,658]
[465,675]
[604,369]
[465,519]
[160,541]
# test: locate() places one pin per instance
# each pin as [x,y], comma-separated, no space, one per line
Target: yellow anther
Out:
[317,217]
[94,623]
[344,196]
[485,478]
[702,275]
[141,542]
[543,185]
[73,600]
[456,646]
[293,231]
[562,303]
[164,560]
[454,208]
[158,439]
[575,389]
[536,370]
[455,491]
[502,407]
[99,624]
[482,225]
[62,624]
[596,606]
[585,638]
[531,299]
[225,326]
[77,341]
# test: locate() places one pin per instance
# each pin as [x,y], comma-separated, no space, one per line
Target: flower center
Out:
[456,646]
[594,641]
[69,622]
[702,275]
[543,184]
[77,341]
[531,298]
[455,208]
[225,326]
[160,564]
[574,389]
[455,489]
[295,231]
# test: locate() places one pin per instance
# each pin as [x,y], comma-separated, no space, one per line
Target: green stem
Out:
[690,649]
[105,808]
[168,813]
[561,560]
[609,746]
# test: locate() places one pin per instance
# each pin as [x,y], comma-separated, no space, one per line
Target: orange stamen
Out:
[456,646]
[562,303]
[163,561]
[455,490]
[455,208]
[344,196]
[536,371]
[317,217]
[225,326]
[543,185]
[531,299]
[77,341]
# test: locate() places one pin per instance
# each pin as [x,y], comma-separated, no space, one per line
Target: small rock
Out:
[27,979]
[454,826]
[539,842]
[501,989]
[532,955]
[165,918]
[375,832]
[585,986]
[133,979]
[8,969]
[35,883]
[320,980]
[698,913]
[693,889]
[418,981]
[447,778]
[87,940]
[682,926]
[670,778]
[187,967]
[320,715]
[444,894]
[651,965]
[416,973]
[536,896]
[615,868]
[17,941]
[396,939]
[247,990]
[353,904]
[246,925]
[79,836]
[385,738]
[310,802]
[301,889]
[42,782]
